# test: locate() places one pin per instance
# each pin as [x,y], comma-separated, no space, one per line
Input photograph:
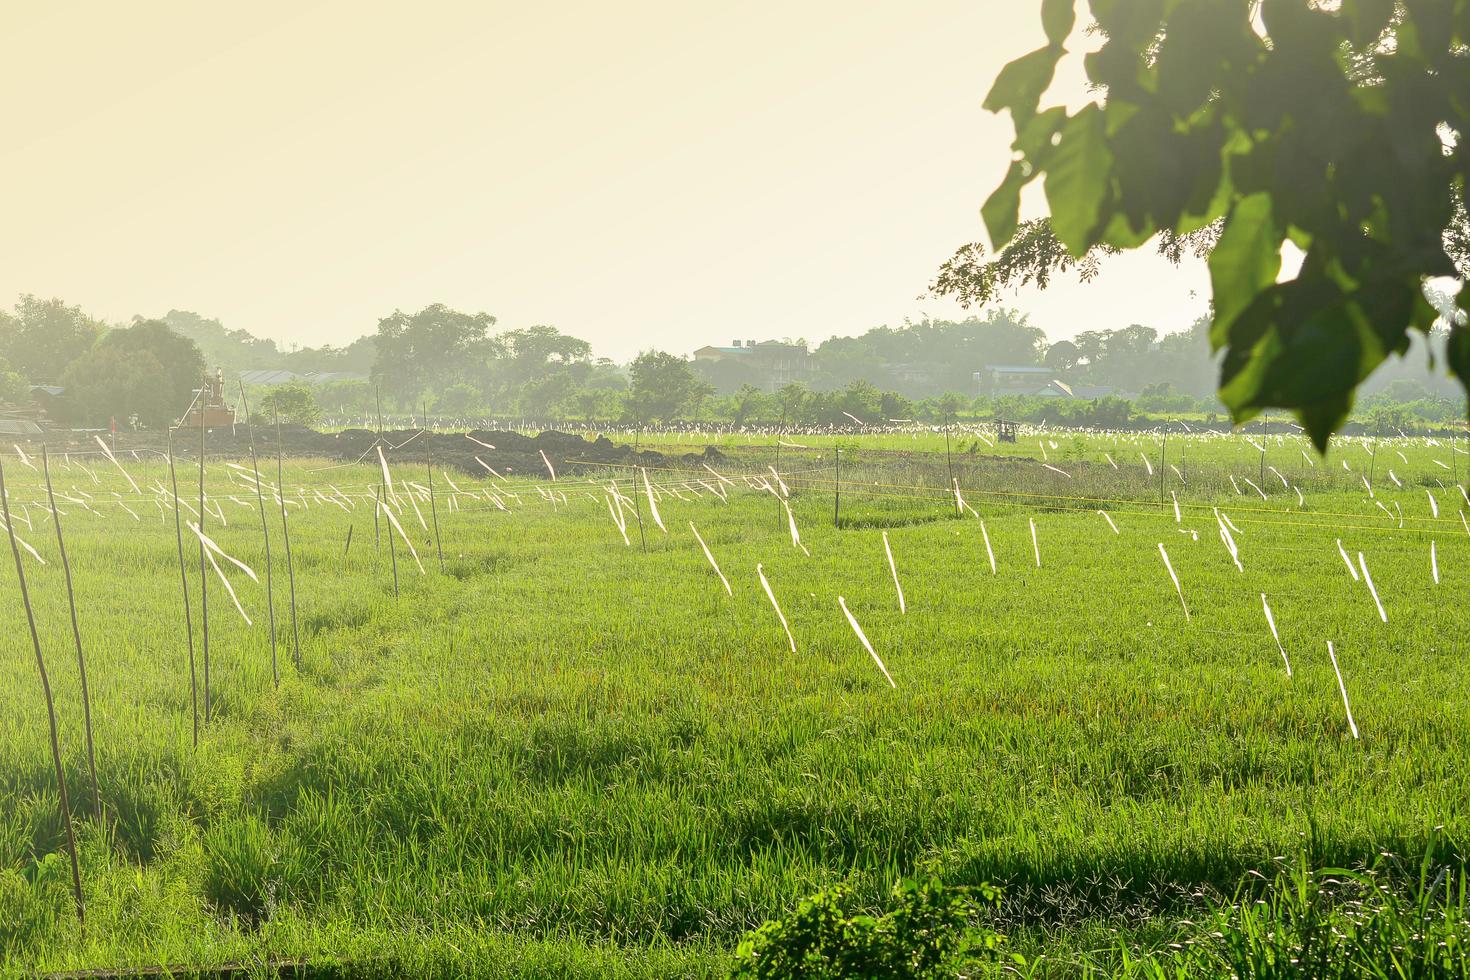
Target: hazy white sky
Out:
[651,173]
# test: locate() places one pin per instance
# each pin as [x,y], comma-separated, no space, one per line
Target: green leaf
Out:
[1366,20]
[1304,345]
[1058,17]
[1078,179]
[1003,207]
[1245,262]
[1033,140]
[1020,84]
[1323,418]
[1457,347]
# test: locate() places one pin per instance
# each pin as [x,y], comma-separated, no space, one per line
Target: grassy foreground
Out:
[561,755]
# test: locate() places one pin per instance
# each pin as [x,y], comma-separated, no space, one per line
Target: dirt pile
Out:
[507,452]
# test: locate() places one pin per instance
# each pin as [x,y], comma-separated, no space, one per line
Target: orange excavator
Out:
[209,408]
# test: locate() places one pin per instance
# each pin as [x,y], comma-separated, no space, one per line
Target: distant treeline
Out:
[452,363]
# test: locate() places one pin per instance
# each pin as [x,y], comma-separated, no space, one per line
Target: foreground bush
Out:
[1304,925]
[929,933]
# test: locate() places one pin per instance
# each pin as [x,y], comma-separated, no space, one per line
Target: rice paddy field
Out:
[556,741]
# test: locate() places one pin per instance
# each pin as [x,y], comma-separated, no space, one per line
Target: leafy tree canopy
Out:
[664,387]
[1232,127]
[145,370]
[295,404]
[436,346]
[44,336]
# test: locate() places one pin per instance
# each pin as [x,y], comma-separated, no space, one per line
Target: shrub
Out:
[930,932]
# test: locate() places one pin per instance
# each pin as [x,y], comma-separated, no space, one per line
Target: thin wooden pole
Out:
[76,632]
[184,581]
[433,507]
[270,594]
[204,579]
[25,598]
[377,537]
[777,467]
[286,535]
[1263,450]
[949,463]
[1163,447]
[837,492]
[637,501]
[392,542]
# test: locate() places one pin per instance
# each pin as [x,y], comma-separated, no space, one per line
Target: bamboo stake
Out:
[837,490]
[76,632]
[25,598]
[433,507]
[378,399]
[637,505]
[270,595]
[392,543]
[184,581]
[204,579]
[286,535]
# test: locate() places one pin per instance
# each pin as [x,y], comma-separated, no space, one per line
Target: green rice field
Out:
[560,751]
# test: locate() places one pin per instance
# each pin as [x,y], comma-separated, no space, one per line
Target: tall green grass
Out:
[566,754]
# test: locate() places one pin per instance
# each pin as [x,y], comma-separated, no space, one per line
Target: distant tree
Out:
[951,404]
[861,400]
[296,404]
[1164,397]
[747,402]
[895,406]
[357,357]
[931,356]
[145,370]
[1062,356]
[458,399]
[351,396]
[664,387]
[44,337]
[593,404]
[544,394]
[792,400]
[1404,390]
[14,388]
[537,368]
[230,350]
[433,348]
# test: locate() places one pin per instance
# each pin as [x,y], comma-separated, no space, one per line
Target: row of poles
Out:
[204,652]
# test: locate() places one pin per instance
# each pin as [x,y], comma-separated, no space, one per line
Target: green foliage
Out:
[435,347]
[1342,923]
[1338,129]
[352,396]
[929,933]
[44,337]
[1110,412]
[145,370]
[1164,397]
[13,386]
[664,387]
[928,357]
[295,404]
[458,399]
[223,348]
